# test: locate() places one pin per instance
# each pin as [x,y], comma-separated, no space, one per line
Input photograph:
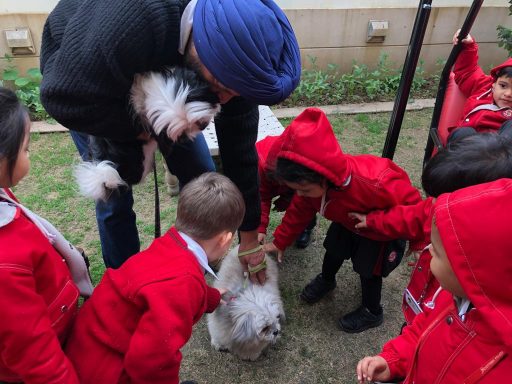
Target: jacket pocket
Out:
[63,309]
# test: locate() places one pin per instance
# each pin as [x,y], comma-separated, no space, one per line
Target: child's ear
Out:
[225,238]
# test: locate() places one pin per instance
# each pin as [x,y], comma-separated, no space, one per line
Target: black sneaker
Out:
[304,239]
[316,289]
[360,320]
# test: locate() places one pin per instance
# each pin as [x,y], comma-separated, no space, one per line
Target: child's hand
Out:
[360,218]
[467,40]
[373,368]
[222,291]
[261,238]
[271,248]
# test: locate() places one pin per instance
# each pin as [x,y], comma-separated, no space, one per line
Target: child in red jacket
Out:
[38,298]
[141,315]
[333,183]
[270,188]
[467,337]
[472,160]
[488,107]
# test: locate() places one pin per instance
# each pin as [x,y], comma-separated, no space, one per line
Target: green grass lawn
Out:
[311,349]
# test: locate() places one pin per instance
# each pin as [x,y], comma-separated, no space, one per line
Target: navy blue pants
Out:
[115,217]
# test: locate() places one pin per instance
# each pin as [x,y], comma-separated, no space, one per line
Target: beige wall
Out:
[334,32]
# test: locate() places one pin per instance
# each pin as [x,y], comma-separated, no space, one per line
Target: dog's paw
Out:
[219,347]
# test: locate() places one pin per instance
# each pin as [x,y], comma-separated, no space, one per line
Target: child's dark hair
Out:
[472,160]
[292,172]
[505,71]
[13,119]
[208,205]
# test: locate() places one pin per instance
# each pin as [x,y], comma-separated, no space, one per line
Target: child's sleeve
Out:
[172,307]
[399,352]
[30,346]
[297,217]
[408,222]
[212,299]
[266,195]
[470,78]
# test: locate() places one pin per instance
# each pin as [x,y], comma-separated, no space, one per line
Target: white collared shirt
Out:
[198,252]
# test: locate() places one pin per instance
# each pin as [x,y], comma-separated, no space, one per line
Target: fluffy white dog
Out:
[250,321]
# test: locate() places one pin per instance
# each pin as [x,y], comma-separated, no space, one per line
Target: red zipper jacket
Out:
[132,328]
[440,347]
[360,183]
[38,300]
[476,86]
[267,155]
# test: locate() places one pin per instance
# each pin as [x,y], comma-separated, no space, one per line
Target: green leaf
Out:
[21,81]
[10,74]
[35,74]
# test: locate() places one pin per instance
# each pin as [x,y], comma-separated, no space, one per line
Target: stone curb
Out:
[44,127]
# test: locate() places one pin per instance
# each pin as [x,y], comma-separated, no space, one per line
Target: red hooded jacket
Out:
[38,302]
[439,347]
[267,155]
[361,183]
[476,86]
[132,328]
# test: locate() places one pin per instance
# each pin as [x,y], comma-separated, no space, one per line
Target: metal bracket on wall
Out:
[20,41]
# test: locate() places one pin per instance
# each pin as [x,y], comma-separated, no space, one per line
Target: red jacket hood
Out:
[495,70]
[474,224]
[310,141]
[267,149]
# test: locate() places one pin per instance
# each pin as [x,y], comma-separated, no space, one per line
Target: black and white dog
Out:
[171,105]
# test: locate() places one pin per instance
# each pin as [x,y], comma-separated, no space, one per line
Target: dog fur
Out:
[171,105]
[251,320]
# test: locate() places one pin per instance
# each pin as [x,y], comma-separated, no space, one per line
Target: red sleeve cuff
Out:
[212,299]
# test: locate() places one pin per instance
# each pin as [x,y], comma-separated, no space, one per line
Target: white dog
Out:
[250,321]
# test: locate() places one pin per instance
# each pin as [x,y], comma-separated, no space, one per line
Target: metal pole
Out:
[443,81]
[411,60]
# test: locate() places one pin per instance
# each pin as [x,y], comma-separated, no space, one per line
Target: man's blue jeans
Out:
[115,217]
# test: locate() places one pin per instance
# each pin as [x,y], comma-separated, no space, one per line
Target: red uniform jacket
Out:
[360,183]
[132,328]
[440,347]
[38,302]
[408,222]
[269,188]
[476,86]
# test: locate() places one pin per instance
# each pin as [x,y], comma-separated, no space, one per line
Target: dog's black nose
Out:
[275,333]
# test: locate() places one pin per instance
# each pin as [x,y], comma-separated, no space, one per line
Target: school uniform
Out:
[132,328]
[465,340]
[480,111]
[39,301]
[360,183]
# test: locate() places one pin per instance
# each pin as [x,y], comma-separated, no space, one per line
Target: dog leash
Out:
[157,202]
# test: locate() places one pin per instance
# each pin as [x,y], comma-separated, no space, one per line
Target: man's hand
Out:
[261,238]
[373,368]
[271,248]
[360,218]
[467,40]
[249,240]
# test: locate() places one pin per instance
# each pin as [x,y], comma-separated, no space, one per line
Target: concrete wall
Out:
[332,31]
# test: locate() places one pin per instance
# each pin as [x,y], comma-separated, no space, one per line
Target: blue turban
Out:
[249,46]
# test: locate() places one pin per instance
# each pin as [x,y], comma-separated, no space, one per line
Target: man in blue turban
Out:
[245,49]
